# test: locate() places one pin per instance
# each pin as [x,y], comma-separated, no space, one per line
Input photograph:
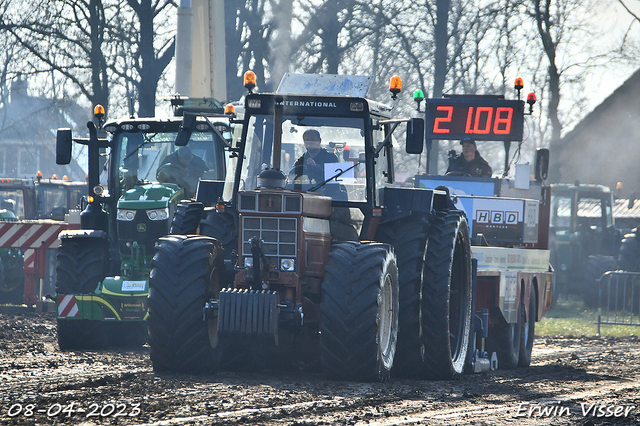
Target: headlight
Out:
[287,264]
[126,215]
[248,262]
[158,214]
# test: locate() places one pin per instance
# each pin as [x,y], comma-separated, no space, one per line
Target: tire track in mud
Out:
[565,373]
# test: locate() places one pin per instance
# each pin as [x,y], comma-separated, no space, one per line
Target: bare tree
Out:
[147,46]
[66,37]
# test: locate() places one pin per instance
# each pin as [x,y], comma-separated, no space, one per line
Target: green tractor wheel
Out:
[81,265]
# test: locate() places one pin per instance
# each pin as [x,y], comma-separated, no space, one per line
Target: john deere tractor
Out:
[103,269]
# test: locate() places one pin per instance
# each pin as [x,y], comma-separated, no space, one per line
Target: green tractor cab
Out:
[583,238]
[103,268]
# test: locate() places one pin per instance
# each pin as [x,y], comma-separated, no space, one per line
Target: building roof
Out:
[605,146]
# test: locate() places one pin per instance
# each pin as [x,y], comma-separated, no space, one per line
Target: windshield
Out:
[13,200]
[153,157]
[314,149]
[589,214]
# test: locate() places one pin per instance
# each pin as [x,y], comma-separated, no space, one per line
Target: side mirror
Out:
[415,136]
[542,164]
[184,133]
[63,146]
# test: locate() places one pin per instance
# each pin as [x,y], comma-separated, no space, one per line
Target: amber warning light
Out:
[98,111]
[229,109]
[249,80]
[518,84]
[395,86]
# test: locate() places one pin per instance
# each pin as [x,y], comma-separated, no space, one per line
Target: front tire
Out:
[80,265]
[223,228]
[185,275]
[447,297]
[186,218]
[359,312]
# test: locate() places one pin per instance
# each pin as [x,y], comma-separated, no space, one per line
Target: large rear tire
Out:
[529,330]
[186,218]
[409,239]
[185,275]
[359,312]
[447,297]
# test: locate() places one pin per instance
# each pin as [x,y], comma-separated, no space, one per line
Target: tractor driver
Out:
[312,162]
[183,168]
[470,162]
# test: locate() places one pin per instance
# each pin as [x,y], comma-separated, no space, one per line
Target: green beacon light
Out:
[418,97]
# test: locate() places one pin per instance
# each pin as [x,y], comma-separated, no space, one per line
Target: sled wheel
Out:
[505,341]
[79,335]
[529,330]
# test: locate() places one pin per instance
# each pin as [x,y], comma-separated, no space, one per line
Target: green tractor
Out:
[102,269]
[583,238]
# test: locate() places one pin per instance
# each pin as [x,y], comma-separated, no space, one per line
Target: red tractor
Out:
[330,262]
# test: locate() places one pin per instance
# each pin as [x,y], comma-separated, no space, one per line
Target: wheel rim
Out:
[456,302]
[385,321]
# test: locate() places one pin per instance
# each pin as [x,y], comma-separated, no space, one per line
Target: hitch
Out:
[136,264]
[479,360]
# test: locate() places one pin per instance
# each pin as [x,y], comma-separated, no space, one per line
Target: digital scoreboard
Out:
[480,118]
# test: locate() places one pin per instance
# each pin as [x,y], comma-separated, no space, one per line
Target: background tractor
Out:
[584,240]
[25,199]
[103,268]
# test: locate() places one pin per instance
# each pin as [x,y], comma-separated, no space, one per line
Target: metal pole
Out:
[184,36]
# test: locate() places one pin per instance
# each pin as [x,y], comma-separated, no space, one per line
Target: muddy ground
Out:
[568,377]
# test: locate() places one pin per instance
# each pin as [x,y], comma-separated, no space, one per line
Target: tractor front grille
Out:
[279,236]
